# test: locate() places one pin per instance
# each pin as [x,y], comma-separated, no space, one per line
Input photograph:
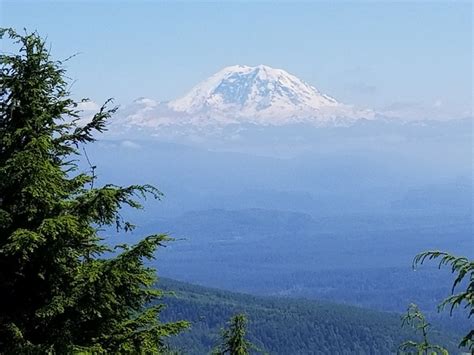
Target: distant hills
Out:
[286,326]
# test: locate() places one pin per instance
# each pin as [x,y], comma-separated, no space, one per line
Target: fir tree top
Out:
[59,292]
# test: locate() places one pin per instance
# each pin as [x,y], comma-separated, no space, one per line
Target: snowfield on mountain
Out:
[240,94]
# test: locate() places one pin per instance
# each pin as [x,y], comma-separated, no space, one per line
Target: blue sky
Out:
[406,56]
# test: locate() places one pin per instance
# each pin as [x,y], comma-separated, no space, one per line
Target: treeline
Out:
[286,326]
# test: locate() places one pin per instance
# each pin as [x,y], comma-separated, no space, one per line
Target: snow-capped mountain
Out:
[240,94]
[262,95]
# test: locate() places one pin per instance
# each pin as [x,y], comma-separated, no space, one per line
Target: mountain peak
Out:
[262,94]
[241,94]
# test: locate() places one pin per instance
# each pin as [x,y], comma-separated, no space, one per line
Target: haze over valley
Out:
[334,205]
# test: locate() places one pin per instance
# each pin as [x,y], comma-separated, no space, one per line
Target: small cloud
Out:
[438,103]
[88,106]
[146,102]
[86,111]
[129,145]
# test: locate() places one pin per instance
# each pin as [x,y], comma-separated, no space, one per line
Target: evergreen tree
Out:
[59,292]
[234,340]
[464,268]
[415,319]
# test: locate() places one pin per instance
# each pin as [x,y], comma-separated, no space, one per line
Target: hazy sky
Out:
[404,56]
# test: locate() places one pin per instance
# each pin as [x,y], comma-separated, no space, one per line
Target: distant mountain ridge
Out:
[241,94]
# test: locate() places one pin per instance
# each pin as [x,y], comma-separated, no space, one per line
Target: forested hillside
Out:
[286,326]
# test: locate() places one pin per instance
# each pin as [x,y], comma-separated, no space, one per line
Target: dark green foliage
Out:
[234,340]
[415,319]
[464,269]
[59,292]
[287,326]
